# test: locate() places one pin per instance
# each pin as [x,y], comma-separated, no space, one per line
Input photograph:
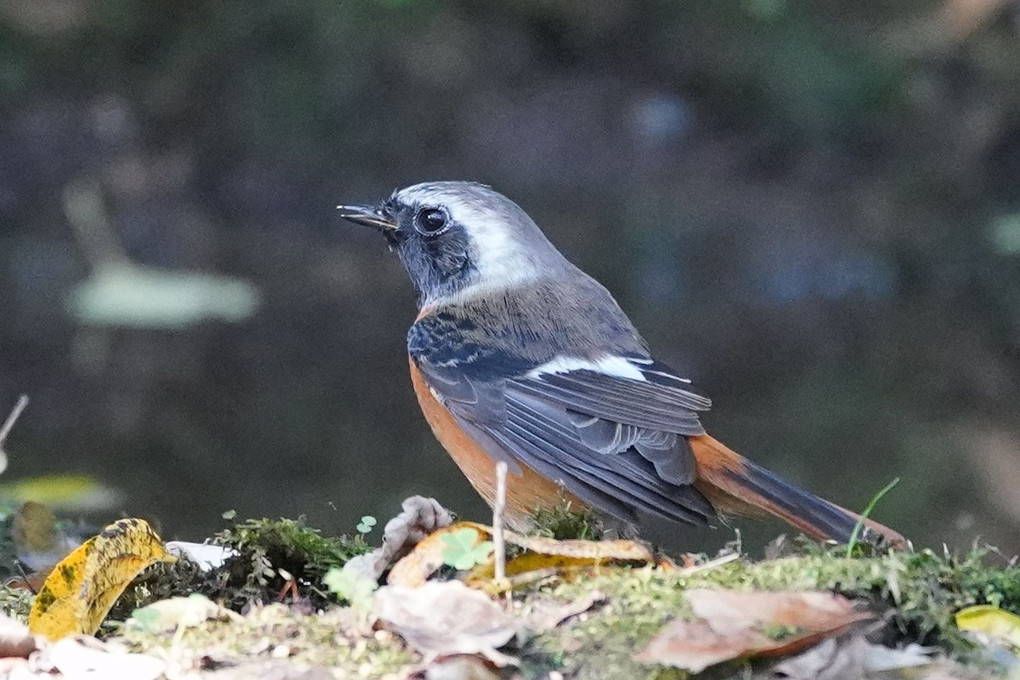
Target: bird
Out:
[516,355]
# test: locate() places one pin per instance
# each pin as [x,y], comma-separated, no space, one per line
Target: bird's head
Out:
[460,239]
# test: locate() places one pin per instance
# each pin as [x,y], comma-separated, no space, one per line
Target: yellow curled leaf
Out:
[533,562]
[992,621]
[82,588]
[565,558]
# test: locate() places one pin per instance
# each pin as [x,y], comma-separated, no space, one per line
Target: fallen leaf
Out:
[562,556]
[693,646]
[15,638]
[462,667]
[734,624]
[440,618]
[420,517]
[541,555]
[427,557]
[531,563]
[992,621]
[82,588]
[545,616]
[601,551]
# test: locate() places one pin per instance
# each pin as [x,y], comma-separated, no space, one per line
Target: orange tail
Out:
[735,485]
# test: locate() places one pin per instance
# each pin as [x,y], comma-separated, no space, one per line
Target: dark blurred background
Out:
[813,208]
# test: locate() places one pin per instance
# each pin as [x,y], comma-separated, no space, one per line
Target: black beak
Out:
[367,216]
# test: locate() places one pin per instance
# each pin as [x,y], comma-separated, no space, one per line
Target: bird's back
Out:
[536,323]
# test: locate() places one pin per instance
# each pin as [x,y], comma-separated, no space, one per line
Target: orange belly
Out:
[525,492]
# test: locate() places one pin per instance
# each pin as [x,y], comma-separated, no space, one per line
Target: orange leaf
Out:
[414,569]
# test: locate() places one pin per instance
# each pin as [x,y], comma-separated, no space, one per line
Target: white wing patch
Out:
[668,375]
[610,365]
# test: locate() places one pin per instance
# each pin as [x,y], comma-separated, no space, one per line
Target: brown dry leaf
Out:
[545,616]
[440,618]
[427,557]
[733,624]
[84,585]
[462,667]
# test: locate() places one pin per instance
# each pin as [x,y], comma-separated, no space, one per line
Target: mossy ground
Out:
[917,593]
[339,639]
[271,555]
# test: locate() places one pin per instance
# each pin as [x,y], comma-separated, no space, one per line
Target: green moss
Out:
[780,632]
[339,640]
[162,581]
[267,548]
[564,522]
[921,590]
[602,644]
[15,602]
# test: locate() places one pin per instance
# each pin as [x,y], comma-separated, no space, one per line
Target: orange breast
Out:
[525,492]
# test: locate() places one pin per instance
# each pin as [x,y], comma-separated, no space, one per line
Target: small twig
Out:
[498,540]
[25,577]
[12,419]
[711,564]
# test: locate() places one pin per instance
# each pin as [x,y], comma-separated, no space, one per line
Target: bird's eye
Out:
[430,220]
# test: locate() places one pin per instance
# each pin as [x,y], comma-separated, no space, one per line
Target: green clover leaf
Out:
[461,553]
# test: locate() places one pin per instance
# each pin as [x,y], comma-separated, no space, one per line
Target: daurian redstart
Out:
[519,356]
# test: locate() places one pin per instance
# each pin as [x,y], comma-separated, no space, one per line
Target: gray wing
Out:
[619,444]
